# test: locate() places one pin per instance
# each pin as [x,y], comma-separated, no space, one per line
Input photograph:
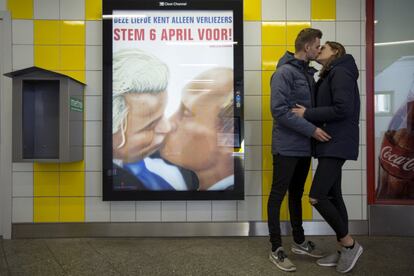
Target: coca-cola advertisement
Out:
[395,175]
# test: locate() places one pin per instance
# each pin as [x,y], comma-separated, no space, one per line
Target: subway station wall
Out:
[66,36]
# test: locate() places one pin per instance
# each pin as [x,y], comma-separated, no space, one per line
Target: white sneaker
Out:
[307,248]
[349,257]
[280,259]
[330,260]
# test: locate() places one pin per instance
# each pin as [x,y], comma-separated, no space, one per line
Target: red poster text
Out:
[129,34]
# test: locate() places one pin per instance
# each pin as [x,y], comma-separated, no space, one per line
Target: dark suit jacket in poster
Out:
[124,180]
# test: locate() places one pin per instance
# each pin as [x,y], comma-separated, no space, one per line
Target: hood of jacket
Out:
[348,62]
[289,58]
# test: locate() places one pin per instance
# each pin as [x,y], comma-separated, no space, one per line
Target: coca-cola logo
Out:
[395,160]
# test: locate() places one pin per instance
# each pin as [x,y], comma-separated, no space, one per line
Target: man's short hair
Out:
[134,71]
[307,35]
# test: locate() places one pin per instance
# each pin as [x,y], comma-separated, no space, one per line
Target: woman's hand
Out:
[299,110]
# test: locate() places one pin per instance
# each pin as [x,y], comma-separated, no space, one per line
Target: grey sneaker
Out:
[330,260]
[307,248]
[348,258]
[280,259]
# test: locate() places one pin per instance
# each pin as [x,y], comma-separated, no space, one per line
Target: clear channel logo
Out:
[172,4]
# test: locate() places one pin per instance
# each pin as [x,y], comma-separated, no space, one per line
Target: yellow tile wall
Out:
[323,10]
[59,189]
[20,9]
[93,9]
[58,45]
[252,10]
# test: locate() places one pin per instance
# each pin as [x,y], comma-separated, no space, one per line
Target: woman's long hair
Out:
[340,51]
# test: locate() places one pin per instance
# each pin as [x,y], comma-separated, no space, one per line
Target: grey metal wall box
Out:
[47,116]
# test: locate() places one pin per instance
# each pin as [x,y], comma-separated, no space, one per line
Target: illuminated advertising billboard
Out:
[172,100]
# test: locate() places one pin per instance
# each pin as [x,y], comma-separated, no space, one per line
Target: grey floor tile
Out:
[126,256]
[77,257]
[30,257]
[3,263]
[192,256]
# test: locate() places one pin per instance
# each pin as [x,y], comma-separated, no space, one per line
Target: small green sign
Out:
[76,105]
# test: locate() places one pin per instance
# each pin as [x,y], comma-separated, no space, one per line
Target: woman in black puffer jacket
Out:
[336,111]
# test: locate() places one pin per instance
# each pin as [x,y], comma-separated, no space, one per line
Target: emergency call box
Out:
[47,116]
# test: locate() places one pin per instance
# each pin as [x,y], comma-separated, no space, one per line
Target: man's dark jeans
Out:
[289,174]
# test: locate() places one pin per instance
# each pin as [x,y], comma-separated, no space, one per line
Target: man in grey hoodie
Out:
[292,84]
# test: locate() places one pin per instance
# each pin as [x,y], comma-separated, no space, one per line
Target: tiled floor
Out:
[189,256]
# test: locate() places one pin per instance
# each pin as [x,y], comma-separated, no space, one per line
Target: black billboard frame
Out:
[109,194]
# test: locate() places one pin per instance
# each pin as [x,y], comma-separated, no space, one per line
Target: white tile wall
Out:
[199,210]
[93,58]
[22,31]
[93,133]
[252,133]
[253,183]
[316,215]
[93,108]
[97,210]
[253,158]
[355,51]
[148,211]
[363,12]
[364,207]
[353,164]
[348,10]
[252,33]
[273,10]
[314,164]
[363,33]
[46,9]
[23,167]
[93,158]
[22,56]
[252,58]
[363,108]
[363,59]
[327,28]
[351,182]
[298,9]
[353,205]
[94,32]
[22,209]
[348,32]
[173,211]
[362,83]
[93,183]
[93,83]
[364,157]
[122,211]
[224,210]
[252,108]
[22,184]
[250,209]
[363,132]
[72,9]
[252,83]
[364,182]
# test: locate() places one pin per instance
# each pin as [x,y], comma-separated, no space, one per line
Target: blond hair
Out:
[134,71]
